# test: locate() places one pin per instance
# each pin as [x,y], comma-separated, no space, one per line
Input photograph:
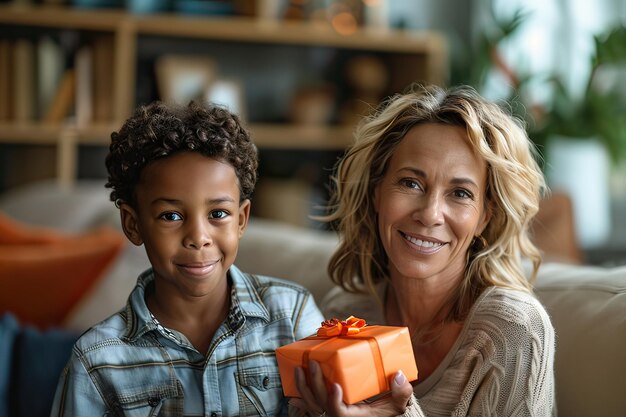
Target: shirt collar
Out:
[245,295]
[245,302]
[138,319]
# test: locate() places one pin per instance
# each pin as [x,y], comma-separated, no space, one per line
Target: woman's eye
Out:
[218,214]
[463,194]
[171,216]
[409,183]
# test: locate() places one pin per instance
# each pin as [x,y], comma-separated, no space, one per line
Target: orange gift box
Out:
[362,359]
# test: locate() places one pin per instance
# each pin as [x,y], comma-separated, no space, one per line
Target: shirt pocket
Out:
[262,392]
[149,401]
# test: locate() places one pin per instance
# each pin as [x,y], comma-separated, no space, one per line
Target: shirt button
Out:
[266,382]
[154,401]
[214,414]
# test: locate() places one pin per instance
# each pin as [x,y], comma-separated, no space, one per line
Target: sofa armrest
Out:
[69,209]
[587,306]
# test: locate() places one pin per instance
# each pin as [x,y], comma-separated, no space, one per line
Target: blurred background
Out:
[302,72]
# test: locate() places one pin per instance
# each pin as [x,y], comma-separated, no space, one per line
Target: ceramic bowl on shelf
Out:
[97,4]
[148,6]
[204,7]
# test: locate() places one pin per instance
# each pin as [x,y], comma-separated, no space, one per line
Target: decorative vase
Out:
[580,167]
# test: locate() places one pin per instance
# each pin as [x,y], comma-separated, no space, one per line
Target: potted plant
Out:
[577,135]
[600,112]
[584,135]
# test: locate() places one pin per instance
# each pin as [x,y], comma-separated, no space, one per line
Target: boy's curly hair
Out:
[159,130]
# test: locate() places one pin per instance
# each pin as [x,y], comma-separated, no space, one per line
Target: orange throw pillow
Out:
[44,273]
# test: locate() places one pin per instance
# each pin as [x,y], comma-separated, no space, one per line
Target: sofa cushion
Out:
[9,329]
[110,293]
[39,358]
[41,279]
[284,251]
[587,306]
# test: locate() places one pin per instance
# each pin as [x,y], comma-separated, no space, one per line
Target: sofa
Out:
[587,304]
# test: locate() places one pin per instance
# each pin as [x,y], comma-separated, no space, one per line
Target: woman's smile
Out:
[423,244]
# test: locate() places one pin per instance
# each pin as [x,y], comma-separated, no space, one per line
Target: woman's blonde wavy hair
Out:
[514,187]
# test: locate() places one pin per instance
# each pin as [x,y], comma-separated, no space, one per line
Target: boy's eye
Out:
[171,216]
[218,214]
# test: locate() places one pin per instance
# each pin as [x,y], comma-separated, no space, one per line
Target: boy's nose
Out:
[197,236]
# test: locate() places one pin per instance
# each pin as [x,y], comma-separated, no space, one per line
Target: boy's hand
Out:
[317,401]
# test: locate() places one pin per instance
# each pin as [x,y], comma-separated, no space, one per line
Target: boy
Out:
[197,336]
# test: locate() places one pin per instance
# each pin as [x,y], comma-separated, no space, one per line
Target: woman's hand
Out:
[317,401]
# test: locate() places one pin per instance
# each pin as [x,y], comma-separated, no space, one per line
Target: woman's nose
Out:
[430,210]
[198,235]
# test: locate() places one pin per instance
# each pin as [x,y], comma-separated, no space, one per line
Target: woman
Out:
[433,204]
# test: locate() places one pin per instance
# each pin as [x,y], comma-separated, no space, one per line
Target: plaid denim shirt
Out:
[129,365]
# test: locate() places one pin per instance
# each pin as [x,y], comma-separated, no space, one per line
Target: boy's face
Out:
[189,219]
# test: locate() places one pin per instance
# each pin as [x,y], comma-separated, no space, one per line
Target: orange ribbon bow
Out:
[335,327]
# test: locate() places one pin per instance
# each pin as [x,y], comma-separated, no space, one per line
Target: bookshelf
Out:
[409,55]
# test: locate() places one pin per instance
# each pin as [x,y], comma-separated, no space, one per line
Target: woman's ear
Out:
[130,224]
[244,216]
[486,216]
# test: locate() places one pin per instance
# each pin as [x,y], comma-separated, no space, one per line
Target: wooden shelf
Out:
[60,17]
[239,29]
[36,134]
[242,29]
[409,54]
[301,137]
[264,135]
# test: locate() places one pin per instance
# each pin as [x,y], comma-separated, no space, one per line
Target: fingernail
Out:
[336,390]
[400,378]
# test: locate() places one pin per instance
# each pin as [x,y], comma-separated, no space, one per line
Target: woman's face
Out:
[431,203]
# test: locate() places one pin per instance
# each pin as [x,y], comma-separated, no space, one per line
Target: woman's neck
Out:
[419,303]
[423,307]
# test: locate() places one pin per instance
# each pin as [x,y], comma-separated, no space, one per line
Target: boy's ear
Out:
[130,224]
[244,216]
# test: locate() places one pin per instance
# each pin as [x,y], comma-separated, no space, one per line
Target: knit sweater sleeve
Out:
[515,343]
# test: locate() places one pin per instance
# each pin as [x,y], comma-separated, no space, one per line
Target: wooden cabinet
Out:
[409,56]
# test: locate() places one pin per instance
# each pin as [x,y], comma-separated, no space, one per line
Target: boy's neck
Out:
[198,318]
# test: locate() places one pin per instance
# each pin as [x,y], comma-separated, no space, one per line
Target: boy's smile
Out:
[189,217]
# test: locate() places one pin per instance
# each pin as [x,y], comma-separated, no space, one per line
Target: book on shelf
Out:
[5,79]
[84,86]
[103,56]
[64,98]
[85,91]
[43,81]
[23,100]
[50,67]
